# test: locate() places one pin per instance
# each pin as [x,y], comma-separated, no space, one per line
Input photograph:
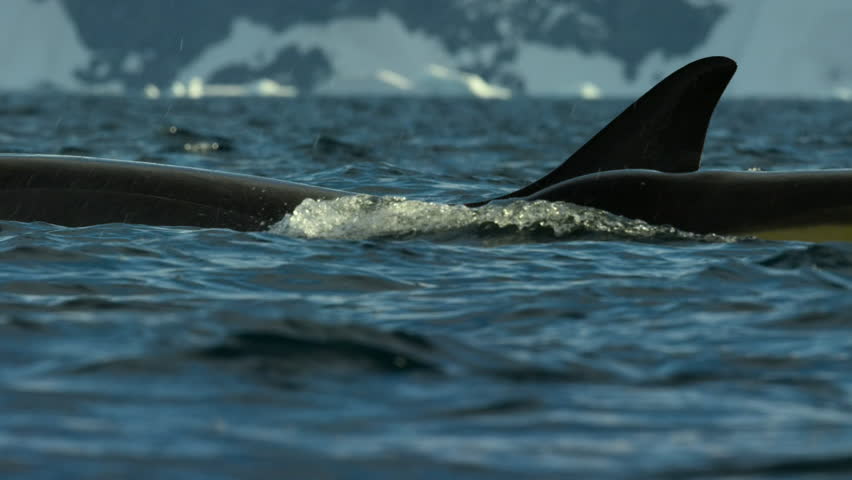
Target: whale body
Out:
[80,191]
[806,206]
[642,165]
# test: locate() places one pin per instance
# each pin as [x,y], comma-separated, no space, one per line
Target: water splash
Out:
[361,217]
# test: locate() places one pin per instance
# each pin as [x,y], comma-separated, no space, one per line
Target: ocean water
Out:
[408,337]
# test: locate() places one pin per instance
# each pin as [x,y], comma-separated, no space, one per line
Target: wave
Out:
[363,217]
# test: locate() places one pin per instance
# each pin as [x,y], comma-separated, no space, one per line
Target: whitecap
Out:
[361,217]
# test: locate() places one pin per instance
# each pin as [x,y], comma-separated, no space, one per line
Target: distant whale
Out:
[643,165]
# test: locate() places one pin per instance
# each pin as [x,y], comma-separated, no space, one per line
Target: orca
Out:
[81,191]
[643,165]
[813,206]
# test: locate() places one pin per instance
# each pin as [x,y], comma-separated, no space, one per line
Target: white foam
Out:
[361,217]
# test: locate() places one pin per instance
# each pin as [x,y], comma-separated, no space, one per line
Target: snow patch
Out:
[40,46]
[358,49]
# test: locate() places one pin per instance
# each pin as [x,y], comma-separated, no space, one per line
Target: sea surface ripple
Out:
[406,336]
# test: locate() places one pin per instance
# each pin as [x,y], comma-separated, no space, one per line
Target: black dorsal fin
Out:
[663,130]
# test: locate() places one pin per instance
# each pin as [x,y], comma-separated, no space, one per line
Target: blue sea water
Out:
[411,338]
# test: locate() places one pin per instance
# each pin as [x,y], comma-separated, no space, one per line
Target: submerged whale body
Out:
[643,165]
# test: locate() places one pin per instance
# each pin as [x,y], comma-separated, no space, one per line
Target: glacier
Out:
[484,48]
